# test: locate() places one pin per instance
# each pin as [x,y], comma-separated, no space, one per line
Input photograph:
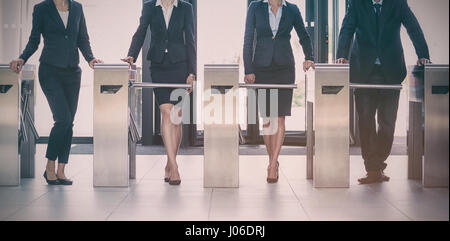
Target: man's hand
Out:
[423,61]
[190,80]
[129,60]
[342,61]
[95,61]
[250,78]
[16,65]
[308,64]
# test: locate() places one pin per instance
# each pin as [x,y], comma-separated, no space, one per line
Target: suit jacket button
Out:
[166,51]
[273,37]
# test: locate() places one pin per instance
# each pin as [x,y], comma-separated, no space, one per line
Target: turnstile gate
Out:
[9,127]
[221,126]
[328,121]
[428,137]
[115,129]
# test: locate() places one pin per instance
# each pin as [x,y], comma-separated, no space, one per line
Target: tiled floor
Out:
[293,198]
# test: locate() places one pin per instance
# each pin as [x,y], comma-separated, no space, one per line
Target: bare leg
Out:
[50,169]
[267,139]
[171,136]
[61,174]
[277,143]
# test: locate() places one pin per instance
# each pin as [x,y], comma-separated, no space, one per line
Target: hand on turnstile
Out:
[423,61]
[250,78]
[95,61]
[129,60]
[190,80]
[308,64]
[342,61]
[16,65]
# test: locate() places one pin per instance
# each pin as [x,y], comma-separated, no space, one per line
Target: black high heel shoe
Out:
[64,182]
[51,182]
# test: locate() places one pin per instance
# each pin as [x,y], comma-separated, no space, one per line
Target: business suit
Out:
[172,48]
[377,57]
[59,73]
[271,59]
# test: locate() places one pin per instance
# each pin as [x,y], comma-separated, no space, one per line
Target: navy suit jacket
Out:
[269,48]
[60,44]
[178,39]
[361,19]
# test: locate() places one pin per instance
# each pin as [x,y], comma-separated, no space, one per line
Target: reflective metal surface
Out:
[221,143]
[331,167]
[111,163]
[268,86]
[378,87]
[415,139]
[9,124]
[436,151]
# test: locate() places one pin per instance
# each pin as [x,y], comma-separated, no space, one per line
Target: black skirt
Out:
[167,72]
[276,75]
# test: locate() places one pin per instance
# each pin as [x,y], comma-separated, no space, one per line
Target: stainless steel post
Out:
[221,143]
[436,151]
[111,160]
[331,122]
[415,140]
[9,125]
[28,149]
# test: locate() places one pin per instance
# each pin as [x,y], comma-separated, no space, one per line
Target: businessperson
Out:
[63,27]
[377,58]
[173,60]
[270,60]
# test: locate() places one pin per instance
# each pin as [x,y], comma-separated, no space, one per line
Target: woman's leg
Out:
[54,92]
[171,133]
[267,137]
[277,142]
[71,87]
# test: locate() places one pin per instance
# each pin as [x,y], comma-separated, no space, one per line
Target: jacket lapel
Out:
[386,12]
[372,18]
[264,7]
[54,14]
[174,17]
[283,18]
[72,13]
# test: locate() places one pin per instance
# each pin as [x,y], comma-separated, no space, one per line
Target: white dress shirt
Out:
[167,12]
[275,20]
[64,17]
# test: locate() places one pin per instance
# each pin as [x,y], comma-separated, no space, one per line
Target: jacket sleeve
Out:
[83,41]
[414,30]
[347,32]
[141,32]
[249,38]
[303,35]
[189,33]
[35,36]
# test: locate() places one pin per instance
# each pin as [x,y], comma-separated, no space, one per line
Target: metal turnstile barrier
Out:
[428,132]
[328,133]
[116,132]
[328,124]
[28,144]
[10,122]
[221,126]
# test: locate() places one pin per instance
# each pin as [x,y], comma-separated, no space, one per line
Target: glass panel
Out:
[221,26]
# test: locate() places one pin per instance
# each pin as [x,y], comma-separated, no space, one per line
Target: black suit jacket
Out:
[178,39]
[361,19]
[271,48]
[60,44]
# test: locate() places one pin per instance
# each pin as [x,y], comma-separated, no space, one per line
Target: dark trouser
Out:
[61,87]
[376,144]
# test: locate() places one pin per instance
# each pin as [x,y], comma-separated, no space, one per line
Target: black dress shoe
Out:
[64,182]
[51,182]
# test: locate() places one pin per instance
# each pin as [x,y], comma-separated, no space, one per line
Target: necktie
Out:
[377,7]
